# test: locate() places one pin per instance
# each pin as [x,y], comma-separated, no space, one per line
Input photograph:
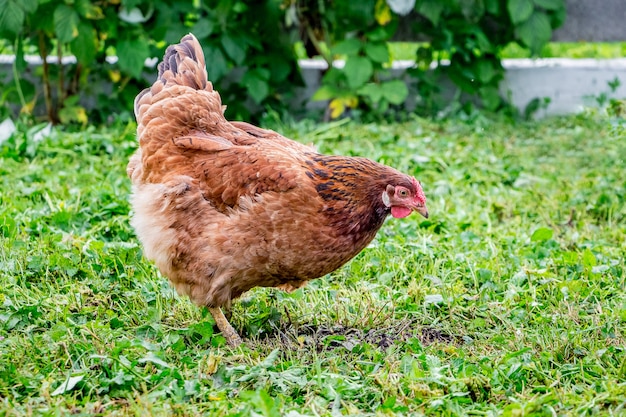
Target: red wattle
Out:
[400,212]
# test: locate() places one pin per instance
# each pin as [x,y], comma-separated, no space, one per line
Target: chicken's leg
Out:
[227,330]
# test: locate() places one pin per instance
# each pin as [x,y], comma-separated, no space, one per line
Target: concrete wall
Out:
[594,21]
[570,84]
[587,20]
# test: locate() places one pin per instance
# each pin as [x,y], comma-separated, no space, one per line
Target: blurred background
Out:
[74,61]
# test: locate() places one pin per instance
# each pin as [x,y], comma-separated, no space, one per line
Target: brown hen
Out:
[222,207]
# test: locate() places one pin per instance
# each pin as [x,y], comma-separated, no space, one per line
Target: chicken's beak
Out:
[421,210]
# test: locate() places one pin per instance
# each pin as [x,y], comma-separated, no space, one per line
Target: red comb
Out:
[419,193]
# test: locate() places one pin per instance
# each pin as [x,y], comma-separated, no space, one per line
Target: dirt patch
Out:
[328,338]
[431,335]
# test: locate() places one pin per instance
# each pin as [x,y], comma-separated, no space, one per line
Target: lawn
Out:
[509,300]
[573,50]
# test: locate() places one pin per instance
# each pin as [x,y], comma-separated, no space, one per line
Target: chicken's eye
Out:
[403,193]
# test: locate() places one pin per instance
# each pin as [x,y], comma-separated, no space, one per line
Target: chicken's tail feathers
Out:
[184,64]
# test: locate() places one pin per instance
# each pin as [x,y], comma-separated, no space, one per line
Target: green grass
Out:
[597,50]
[510,300]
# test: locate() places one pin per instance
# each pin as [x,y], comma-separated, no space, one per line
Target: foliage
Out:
[359,33]
[509,300]
[251,60]
[473,35]
[248,58]
[470,34]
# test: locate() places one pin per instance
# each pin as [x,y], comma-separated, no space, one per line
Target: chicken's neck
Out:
[351,189]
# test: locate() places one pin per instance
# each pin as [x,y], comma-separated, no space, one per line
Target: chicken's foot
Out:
[227,330]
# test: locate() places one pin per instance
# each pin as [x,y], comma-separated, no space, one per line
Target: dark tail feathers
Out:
[184,64]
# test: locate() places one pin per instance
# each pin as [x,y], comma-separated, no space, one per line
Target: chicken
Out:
[222,207]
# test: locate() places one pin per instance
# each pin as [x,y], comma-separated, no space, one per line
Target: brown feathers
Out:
[222,207]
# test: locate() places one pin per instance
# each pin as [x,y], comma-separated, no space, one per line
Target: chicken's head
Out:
[404,198]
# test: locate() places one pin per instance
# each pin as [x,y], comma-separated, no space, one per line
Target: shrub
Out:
[249,52]
[468,33]
[231,32]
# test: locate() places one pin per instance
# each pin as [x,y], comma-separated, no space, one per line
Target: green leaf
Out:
[351,15]
[484,44]
[589,259]
[279,67]
[377,52]
[325,92]
[490,97]
[431,9]
[129,4]
[557,18]
[550,4]
[472,10]
[116,323]
[29,6]
[85,46]
[45,18]
[20,62]
[372,91]
[11,16]
[358,71]
[132,55]
[484,70]
[492,7]
[347,47]
[216,63]
[68,385]
[535,32]
[519,10]
[395,91]
[203,329]
[534,106]
[270,359]
[381,33]
[82,7]
[542,234]
[256,82]
[234,49]
[203,28]
[87,10]
[463,77]
[152,358]
[65,23]
[71,112]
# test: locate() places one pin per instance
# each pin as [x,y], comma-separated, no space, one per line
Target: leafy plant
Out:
[362,76]
[358,33]
[249,59]
[473,34]
[465,39]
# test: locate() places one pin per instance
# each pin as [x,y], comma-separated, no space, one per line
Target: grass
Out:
[597,50]
[510,300]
